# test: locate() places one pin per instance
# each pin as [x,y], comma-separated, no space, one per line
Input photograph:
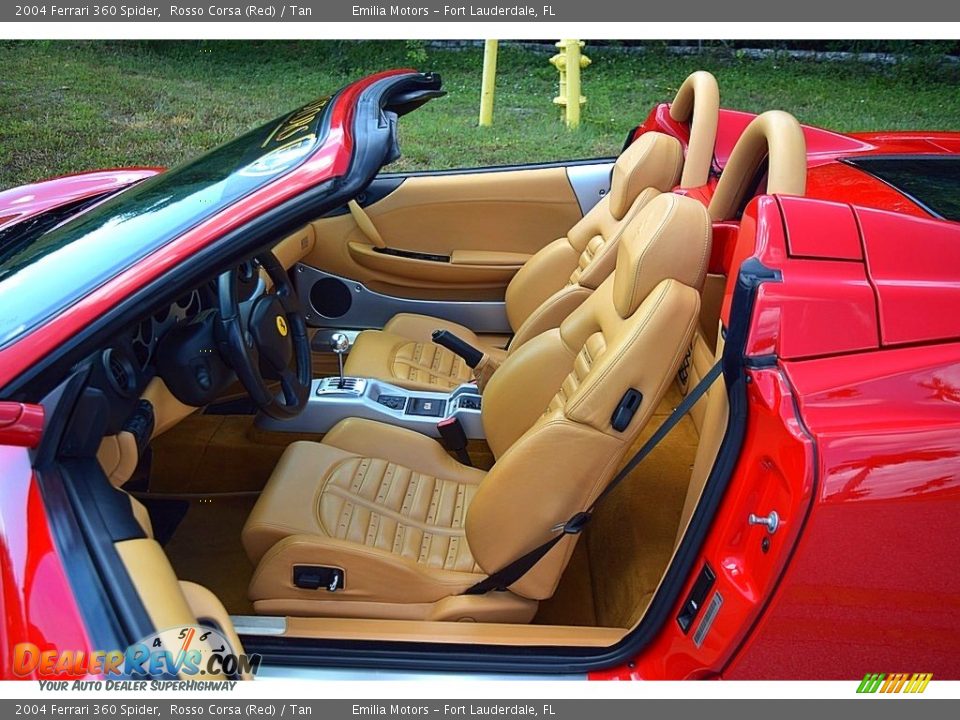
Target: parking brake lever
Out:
[471,356]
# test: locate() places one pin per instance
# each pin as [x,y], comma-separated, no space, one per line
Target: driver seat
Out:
[411,528]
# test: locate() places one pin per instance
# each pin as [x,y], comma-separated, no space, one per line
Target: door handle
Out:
[365,224]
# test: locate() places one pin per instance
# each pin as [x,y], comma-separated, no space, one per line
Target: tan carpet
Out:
[206,549]
[215,454]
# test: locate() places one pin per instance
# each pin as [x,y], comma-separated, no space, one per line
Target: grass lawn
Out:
[71,106]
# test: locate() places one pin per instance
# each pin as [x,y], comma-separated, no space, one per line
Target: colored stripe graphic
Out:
[871,682]
[913,683]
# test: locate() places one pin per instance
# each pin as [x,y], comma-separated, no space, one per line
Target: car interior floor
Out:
[205,548]
[205,476]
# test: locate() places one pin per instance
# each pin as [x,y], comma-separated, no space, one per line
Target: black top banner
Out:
[430,11]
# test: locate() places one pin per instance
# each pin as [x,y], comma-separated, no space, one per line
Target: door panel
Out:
[482,225]
[331,301]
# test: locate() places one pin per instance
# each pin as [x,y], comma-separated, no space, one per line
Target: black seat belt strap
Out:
[509,574]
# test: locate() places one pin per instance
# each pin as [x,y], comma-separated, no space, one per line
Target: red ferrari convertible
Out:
[688,412]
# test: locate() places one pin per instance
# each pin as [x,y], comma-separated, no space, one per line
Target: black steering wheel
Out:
[261,346]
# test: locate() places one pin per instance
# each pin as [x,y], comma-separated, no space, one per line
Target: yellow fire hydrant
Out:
[569,61]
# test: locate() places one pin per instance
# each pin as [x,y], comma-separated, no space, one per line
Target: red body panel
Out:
[21,424]
[38,602]
[874,581]
[839,181]
[811,223]
[821,292]
[903,287]
[19,203]
[915,267]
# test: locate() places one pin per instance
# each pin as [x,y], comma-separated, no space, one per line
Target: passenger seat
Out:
[554,282]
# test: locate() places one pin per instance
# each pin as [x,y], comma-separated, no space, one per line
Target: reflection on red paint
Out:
[38,603]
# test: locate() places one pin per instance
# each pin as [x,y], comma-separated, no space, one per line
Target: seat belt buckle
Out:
[454,438]
[573,526]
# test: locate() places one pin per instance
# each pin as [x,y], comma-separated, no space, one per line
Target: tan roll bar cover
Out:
[775,135]
[698,102]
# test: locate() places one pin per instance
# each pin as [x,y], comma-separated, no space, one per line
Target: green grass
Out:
[72,106]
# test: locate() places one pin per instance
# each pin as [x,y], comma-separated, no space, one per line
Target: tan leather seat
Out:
[412,528]
[555,281]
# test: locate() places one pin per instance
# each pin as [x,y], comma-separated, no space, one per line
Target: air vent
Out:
[120,373]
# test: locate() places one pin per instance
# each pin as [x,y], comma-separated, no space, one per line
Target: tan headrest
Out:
[652,160]
[698,102]
[775,135]
[669,238]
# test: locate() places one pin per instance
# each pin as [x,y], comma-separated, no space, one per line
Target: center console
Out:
[333,399]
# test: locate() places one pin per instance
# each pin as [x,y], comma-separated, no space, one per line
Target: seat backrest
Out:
[547,410]
[564,273]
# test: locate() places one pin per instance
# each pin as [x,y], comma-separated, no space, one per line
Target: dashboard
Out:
[157,344]
[150,330]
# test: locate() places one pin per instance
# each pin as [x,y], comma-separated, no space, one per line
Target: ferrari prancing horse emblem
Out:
[282,325]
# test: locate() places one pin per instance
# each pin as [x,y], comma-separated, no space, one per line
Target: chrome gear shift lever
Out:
[340,343]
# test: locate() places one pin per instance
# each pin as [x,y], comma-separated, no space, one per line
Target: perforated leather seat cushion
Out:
[405,514]
[404,354]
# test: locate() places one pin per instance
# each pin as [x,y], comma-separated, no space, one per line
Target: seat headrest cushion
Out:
[653,160]
[667,239]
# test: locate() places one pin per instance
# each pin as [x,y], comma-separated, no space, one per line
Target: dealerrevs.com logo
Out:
[911,683]
[189,651]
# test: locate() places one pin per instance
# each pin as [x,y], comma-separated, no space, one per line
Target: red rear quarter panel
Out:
[873,586]
[874,363]
[19,203]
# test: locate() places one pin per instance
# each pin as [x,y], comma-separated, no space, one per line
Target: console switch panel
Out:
[427,407]
[394,402]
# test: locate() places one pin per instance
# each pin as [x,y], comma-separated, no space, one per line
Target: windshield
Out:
[44,268]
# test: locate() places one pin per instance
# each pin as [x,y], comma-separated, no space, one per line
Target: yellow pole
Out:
[488,86]
[573,83]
